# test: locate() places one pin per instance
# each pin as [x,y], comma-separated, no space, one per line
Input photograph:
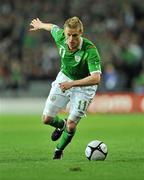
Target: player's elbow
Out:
[96,77]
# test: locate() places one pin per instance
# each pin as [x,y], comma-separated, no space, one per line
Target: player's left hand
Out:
[65,85]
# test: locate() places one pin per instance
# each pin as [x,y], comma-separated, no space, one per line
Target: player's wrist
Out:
[74,83]
[42,26]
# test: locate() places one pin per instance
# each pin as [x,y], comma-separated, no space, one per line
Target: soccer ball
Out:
[96,150]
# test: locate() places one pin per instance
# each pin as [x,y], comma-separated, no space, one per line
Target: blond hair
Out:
[73,23]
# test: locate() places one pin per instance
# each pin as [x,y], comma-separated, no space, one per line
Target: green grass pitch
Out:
[26,149]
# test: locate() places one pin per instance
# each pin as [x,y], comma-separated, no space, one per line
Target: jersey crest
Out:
[77,58]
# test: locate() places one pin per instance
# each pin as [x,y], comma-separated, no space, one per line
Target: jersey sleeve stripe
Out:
[96,72]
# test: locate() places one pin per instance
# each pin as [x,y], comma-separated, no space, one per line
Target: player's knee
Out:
[46,119]
[71,126]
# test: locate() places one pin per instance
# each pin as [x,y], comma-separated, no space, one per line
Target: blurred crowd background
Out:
[29,61]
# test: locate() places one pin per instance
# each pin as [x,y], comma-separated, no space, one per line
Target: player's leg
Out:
[50,115]
[79,103]
[67,136]
[54,103]
[52,119]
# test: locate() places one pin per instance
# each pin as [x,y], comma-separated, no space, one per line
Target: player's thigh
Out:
[79,103]
[54,104]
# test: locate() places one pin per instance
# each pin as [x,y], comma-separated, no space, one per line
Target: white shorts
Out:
[78,98]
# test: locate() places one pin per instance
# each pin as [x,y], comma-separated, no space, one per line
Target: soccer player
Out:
[76,83]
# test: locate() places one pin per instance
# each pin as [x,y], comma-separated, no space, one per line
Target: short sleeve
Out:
[94,60]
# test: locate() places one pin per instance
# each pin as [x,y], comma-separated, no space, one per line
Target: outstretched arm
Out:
[36,24]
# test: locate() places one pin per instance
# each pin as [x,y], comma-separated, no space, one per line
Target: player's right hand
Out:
[35,24]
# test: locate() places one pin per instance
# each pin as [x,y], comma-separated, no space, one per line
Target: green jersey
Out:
[81,63]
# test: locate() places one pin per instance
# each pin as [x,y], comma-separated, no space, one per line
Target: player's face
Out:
[72,37]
